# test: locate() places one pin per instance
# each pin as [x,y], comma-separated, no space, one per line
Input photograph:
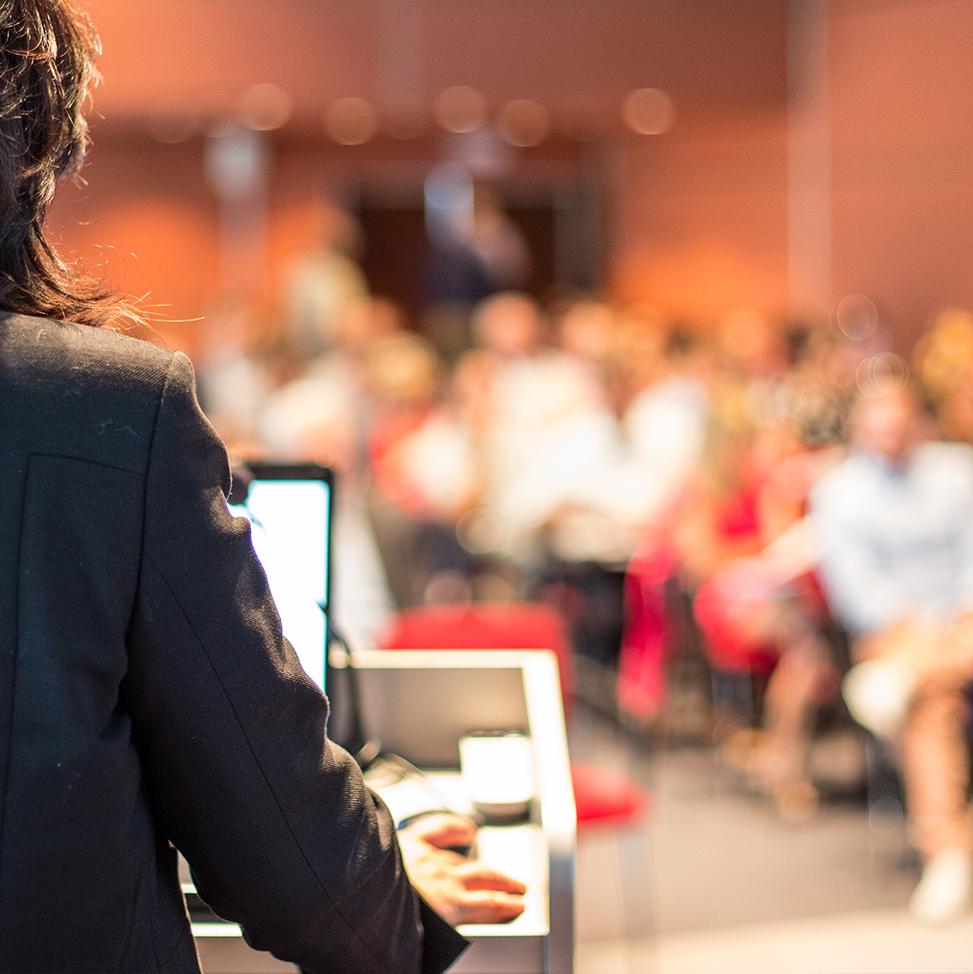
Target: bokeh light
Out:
[265,107]
[881,374]
[351,121]
[523,122]
[460,109]
[857,317]
[173,120]
[649,111]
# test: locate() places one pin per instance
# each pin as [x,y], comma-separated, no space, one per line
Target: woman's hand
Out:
[460,890]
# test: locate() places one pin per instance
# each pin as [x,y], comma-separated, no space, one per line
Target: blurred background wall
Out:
[799,152]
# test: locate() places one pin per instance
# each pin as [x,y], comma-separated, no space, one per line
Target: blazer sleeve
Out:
[281,833]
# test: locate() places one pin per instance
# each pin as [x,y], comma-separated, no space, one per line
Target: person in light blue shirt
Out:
[894,526]
[896,534]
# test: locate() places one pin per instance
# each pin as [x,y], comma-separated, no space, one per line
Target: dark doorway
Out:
[560,227]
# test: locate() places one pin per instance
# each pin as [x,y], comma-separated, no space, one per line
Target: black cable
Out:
[364,749]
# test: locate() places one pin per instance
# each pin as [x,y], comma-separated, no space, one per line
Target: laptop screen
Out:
[289,509]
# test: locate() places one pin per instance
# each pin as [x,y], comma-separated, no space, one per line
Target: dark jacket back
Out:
[147,696]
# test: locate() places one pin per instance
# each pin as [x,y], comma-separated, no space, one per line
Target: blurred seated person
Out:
[424,471]
[765,612]
[714,518]
[323,284]
[894,523]
[944,361]
[712,521]
[605,470]
[736,541]
[526,388]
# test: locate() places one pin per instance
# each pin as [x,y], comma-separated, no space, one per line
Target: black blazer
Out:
[147,696]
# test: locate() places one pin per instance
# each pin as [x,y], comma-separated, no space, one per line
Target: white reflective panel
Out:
[289,527]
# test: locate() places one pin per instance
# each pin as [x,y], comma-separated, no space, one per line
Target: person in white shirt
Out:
[894,523]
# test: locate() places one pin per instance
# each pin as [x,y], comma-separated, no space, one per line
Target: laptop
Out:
[290,509]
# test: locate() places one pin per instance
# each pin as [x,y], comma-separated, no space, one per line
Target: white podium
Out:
[419,704]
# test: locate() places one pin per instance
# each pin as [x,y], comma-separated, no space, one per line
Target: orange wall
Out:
[705,52]
[701,220]
[902,154]
[149,222]
[145,220]
[695,218]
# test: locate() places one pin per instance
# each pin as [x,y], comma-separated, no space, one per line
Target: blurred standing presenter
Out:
[147,696]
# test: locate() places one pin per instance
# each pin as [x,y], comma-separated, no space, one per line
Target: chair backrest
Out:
[484,625]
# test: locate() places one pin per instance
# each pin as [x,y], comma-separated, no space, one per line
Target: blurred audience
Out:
[625,467]
[731,540]
[763,610]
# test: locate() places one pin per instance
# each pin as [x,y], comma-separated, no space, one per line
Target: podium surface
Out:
[419,704]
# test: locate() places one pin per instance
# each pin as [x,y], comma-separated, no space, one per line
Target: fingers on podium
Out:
[476,876]
[489,906]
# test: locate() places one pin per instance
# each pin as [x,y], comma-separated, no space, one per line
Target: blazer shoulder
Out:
[35,346]
[83,391]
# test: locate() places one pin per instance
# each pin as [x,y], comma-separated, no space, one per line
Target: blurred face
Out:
[586,330]
[888,425]
[508,324]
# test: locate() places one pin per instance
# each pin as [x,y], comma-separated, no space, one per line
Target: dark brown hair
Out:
[47,51]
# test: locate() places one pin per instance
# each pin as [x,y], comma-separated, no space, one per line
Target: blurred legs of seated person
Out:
[911,688]
[748,618]
[798,685]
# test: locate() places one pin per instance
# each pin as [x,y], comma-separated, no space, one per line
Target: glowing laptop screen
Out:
[290,520]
